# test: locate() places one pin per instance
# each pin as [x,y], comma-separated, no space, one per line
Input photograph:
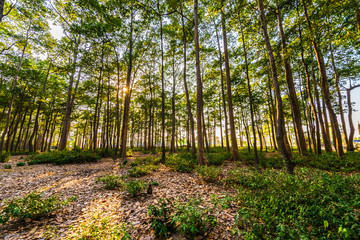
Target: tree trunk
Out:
[162,92]
[281,132]
[124,129]
[234,146]
[172,147]
[223,94]
[256,158]
[66,123]
[188,103]
[341,109]
[199,97]
[294,103]
[325,86]
[351,123]
[6,129]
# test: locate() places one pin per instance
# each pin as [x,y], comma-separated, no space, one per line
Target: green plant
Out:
[218,159]
[20,164]
[155,183]
[135,187]
[129,153]
[209,173]
[33,206]
[311,204]
[7,166]
[63,157]
[111,181]
[161,217]
[100,228]
[193,220]
[142,170]
[4,156]
[180,163]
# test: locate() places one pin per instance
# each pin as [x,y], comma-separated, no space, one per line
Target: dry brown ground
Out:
[119,207]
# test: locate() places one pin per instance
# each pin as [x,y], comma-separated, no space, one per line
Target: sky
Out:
[57,32]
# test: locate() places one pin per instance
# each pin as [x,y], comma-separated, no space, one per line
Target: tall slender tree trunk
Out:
[325,85]
[223,94]
[200,137]
[234,146]
[36,126]
[188,103]
[172,147]
[162,92]
[294,103]
[66,122]
[341,109]
[127,93]
[250,98]
[6,129]
[281,131]
[350,112]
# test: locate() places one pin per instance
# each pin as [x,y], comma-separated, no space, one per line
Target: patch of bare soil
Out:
[79,180]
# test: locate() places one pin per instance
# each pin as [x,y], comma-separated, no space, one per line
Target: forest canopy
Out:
[246,103]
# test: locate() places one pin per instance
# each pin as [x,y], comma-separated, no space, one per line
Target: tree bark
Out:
[280,131]
[6,129]
[223,94]
[199,108]
[66,123]
[188,103]
[234,146]
[325,85]
[256,158]
[294,103]
[124,129]
[172,147]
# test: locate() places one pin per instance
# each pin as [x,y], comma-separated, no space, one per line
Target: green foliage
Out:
[209,173]
[218,159]
[99,228]
[161,217]
[143,166]
[135,187]
[63,157]
[180,162]
[7,166]
[155,183]
[193,220]
[20,164]
[329,161]
[32,206]
[4,156]
[111,181]
[311,204]
[129,153]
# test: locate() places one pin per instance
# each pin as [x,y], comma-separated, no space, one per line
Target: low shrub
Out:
[20,164]
[100,228]
[209,173]
[135,187]
[7,166]
[312,204]
[180,163]
[4,156]
[63,157]
[110,181]
[142,170]
[129,153]
[218,159]
[191,219]
[33,206]
[161,217]
[350,162]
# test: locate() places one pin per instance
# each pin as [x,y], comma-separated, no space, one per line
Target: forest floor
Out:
[93,201]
